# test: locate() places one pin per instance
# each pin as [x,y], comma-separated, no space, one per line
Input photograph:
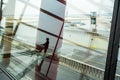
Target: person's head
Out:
[47,39]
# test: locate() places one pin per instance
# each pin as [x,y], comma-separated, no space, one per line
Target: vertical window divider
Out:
[112,53]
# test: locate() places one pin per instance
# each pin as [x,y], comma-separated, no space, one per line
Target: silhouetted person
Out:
[46,45]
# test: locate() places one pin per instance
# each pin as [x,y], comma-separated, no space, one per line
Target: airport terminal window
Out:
[77,53]
[118,69]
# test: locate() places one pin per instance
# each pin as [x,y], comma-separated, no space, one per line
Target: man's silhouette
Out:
[46,44]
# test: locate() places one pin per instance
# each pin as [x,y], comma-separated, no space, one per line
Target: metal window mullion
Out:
[116,45]
[112,54]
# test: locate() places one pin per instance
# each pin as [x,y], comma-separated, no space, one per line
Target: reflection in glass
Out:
[118,65]
[82,52]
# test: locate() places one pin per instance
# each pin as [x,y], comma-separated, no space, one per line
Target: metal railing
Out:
[86,69]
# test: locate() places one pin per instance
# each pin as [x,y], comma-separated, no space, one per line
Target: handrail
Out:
[84,68]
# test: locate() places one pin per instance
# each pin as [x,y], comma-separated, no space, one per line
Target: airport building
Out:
[59,39]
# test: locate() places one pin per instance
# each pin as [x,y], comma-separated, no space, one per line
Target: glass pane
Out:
[118,65]
[19,9]
[86,35]
[77,53]
[31,15]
